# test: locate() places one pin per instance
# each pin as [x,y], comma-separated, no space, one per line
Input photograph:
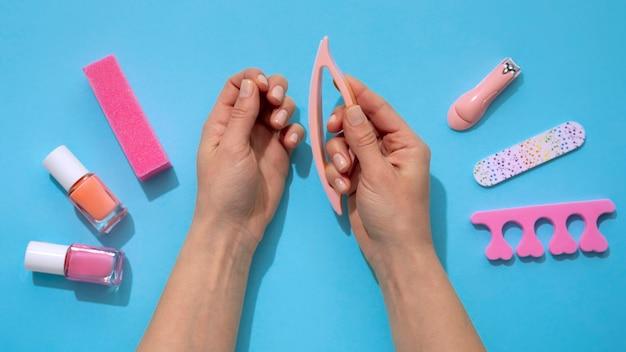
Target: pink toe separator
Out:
[316,122]
[562,242]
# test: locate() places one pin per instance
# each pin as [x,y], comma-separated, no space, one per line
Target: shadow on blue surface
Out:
[302,157]
[119,296]
[501,262]
[302,160]
[533,259]
[439,219]
[604,254]
[266,251]
[566,256]
[159,184]
[343,220]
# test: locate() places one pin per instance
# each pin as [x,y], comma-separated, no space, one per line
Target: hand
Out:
[243,158]
[388,182]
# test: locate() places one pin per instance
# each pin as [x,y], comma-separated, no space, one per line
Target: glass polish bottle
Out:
[77,262]
[86,191]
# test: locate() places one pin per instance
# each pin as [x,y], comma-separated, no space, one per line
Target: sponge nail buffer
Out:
[128,121]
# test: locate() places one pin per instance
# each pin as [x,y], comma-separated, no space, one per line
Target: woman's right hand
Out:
[383,168]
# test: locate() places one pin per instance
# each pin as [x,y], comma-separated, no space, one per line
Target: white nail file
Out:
[530,153]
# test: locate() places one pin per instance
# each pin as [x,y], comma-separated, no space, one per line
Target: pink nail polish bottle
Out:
[77,262]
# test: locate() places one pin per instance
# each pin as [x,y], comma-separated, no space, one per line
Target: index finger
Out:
[230,92]
[377,109]
[220,115]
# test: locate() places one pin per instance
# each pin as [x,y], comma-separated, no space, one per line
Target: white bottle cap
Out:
[64,167]
[45,257]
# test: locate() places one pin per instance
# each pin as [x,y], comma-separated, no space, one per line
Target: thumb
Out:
[362,139]
[244,113]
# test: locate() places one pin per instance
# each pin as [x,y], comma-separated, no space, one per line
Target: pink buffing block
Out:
[130,125]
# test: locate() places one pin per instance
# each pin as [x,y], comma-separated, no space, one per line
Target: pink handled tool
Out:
[316,122]
[470,107]
[562,242]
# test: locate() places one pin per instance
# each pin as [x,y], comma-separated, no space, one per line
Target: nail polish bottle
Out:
[77,262]
[85,190]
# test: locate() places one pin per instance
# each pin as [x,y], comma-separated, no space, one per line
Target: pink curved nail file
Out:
[530,153]
[126,118]
[561,242]
[316,123]
[470,107]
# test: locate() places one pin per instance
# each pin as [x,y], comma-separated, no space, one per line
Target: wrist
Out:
[396,265]
[211,233]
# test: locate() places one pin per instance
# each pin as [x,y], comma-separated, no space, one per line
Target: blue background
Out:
[310,288]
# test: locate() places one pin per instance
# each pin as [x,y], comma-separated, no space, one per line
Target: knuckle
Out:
[209,128]
[331,145]
[280,80]
[424,151]
[251,71]
[330,171]
[297,129]
[236,151]
[228,83]
[366,139]
[338,109]
[289,103]
[381,107]
[239,112]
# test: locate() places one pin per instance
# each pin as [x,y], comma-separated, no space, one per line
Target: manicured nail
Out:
[278,93]
[340,162]
[340,185]
[355,115]
[293,138]
[280,118]
[246,88]
[261,78]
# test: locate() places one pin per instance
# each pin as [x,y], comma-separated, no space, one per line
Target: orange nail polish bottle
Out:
[85,190]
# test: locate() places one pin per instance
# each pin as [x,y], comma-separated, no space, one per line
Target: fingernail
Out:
[355,115]
[261,78]
[278,93]
[246,88]
[340,162]
[332,118]
[293,138]
[281,117]
[340,185]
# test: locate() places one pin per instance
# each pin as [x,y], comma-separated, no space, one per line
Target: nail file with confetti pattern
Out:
[530,153]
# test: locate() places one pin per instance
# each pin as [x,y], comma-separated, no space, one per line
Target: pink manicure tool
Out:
[562,242]
[471,106]
[316,122]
